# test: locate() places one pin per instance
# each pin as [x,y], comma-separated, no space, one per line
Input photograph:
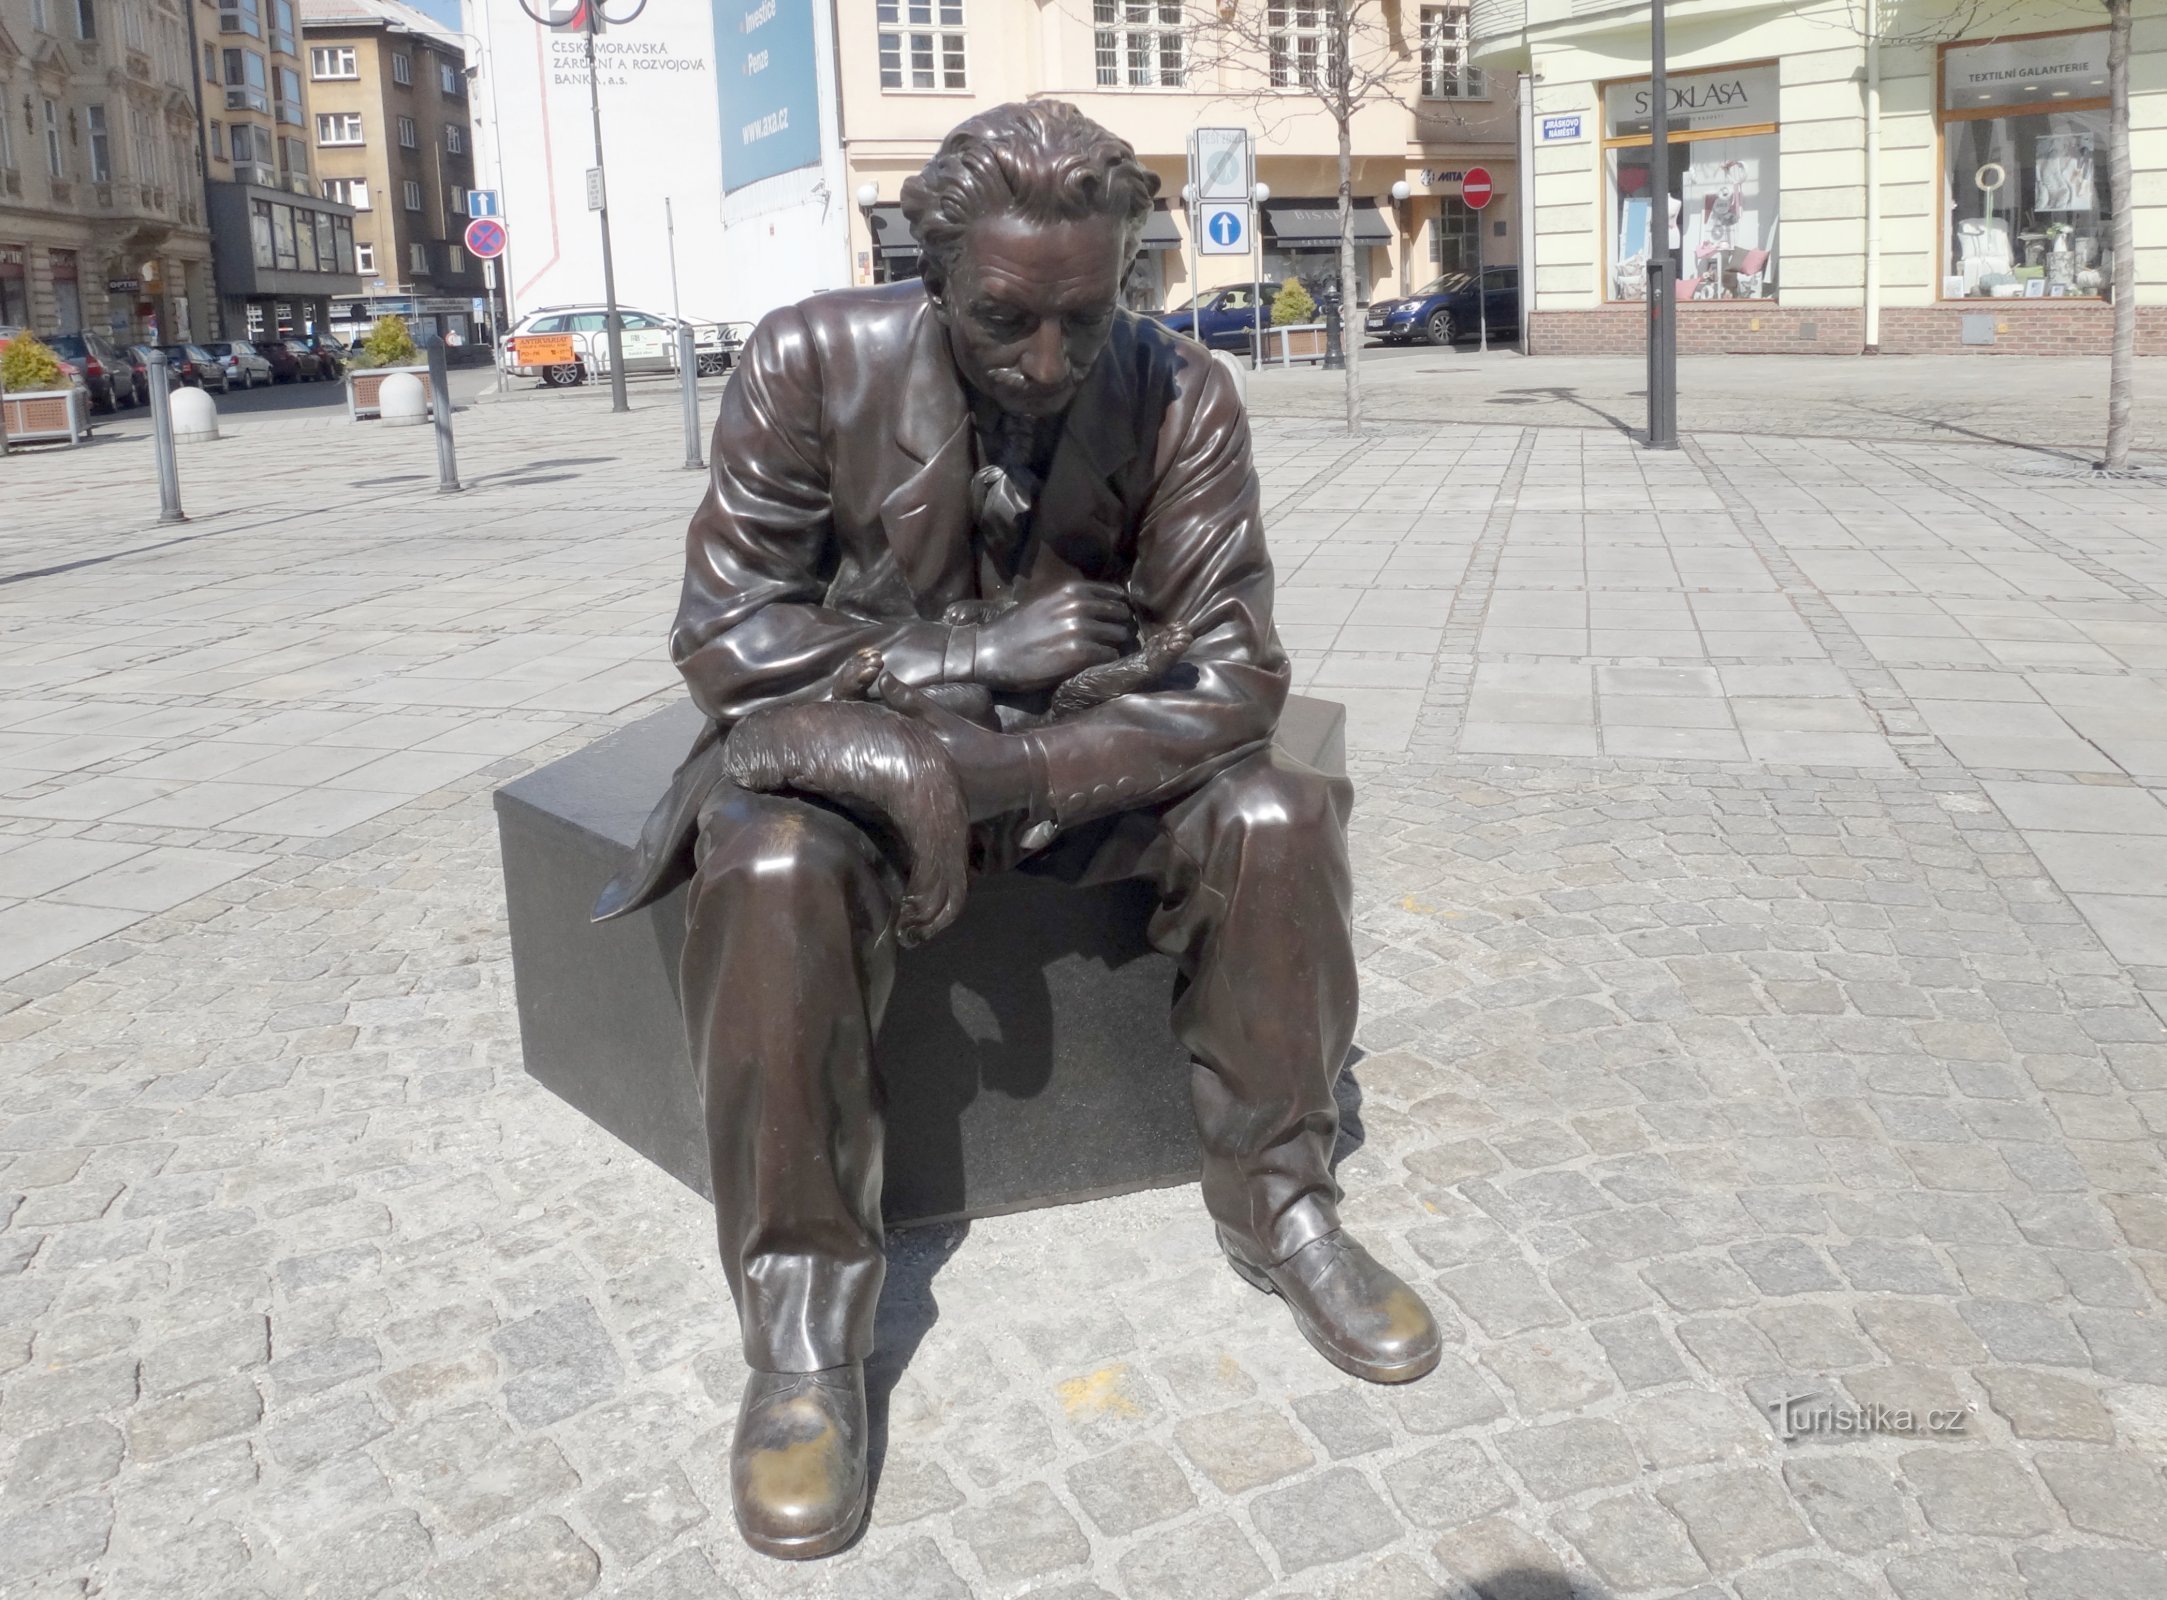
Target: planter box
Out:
[36,416]
[1302,341]
[363,382]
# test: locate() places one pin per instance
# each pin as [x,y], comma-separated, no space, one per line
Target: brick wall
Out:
[1714,327]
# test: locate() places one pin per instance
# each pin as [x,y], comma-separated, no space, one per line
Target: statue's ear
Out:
[936,289]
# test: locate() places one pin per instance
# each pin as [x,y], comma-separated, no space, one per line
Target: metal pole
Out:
[688,369]
[617,401]
[1662,266]
[669,222]
[447,458]
[1482,290]
[161,432]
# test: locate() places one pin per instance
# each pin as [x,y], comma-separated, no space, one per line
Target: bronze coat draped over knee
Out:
[838,518]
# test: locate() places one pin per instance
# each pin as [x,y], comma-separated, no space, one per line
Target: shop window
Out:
[1138,43]
[926,48]
[15,285]
[67,289]
[1724,187]
[1445,72]
[1299,42]
[1455,244]
[2024,170]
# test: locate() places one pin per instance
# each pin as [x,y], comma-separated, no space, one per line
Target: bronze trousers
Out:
[790,956]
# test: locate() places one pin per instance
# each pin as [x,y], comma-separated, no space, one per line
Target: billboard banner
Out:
[768,85]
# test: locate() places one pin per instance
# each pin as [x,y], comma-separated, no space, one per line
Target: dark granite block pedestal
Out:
[1026,1057]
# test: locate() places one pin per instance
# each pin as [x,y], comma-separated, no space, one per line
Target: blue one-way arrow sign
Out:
[1226,231]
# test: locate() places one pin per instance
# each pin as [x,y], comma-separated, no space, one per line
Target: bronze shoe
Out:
[1357,1312]
[797,1468]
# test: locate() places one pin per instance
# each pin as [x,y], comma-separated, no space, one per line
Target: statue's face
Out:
[1028,307]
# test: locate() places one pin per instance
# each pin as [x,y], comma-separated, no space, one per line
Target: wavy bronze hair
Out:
[1042,159]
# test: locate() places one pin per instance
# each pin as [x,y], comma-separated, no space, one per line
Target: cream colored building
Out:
[1908,191]
[922,66]
[101,198]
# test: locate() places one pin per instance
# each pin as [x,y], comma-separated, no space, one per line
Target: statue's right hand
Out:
[1053,636]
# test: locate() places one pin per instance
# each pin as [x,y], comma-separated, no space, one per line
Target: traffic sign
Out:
[595,202]
[485,238]
[1220,163]
[482,203]
[1226,231]
[1475,188]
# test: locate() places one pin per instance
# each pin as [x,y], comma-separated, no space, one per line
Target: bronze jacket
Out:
[838,517]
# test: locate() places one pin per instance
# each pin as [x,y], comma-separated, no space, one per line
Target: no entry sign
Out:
[1475,187]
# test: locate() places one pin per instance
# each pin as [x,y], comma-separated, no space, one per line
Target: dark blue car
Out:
[1221,319]
[1445,311]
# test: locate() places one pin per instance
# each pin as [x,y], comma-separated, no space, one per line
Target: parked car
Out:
[1445,310]
[138,359]
[196,367]
[290,361]
[104,371]
[244,364]
[330,354]
[649,341]
[1223,319]
[71,373]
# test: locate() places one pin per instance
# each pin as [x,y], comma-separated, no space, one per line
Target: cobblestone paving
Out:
[1777,1138]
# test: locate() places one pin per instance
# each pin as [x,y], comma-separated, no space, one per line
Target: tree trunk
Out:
[2122,365]
[1343,109]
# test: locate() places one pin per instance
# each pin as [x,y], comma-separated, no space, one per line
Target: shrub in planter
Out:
[1292,305]
[27,364]
[389,344]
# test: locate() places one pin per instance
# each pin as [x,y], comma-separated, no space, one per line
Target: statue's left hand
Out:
[993,767]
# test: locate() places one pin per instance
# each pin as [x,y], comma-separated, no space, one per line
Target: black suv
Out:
[105,372]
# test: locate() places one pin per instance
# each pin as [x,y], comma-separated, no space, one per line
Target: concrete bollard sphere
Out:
[402,400]
[195,416]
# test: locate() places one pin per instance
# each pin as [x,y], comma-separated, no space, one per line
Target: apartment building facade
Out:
[394,138]
[1153,70]
[757,148]
[102,223]
[1845,176]
[280,249]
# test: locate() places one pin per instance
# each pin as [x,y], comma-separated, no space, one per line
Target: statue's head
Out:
[1029,216]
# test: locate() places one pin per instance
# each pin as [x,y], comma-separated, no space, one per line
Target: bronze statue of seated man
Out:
[980,584]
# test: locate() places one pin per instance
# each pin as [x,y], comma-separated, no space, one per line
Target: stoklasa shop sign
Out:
[1728,97]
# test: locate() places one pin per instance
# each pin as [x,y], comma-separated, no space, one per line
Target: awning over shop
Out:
[1159,230]
[1314,224]
[891,233]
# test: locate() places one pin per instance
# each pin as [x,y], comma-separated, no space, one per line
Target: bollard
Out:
[688,367]
[161,432]
[447,458]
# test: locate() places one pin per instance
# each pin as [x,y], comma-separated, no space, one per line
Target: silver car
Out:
[243,366]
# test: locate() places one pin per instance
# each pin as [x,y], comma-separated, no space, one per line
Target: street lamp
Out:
[1662,265]
[1258,193]
[868,196]
[1402,192]
[588,17]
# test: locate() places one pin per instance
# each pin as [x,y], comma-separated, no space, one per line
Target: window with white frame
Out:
[364,257]
[417,256]
[1445,72]
[455,258]
[247,82]
[289,96]
[402,67]
[333,61]
[245,147]
[86,19]
[338,127]
[101,145]
[450,79]
[241,16]
[1299,42]
[282,27]
[455,139]
[52,141]
[348,191]
[921,44]
[1139,43]
[38,18]
[456,204]
[409,137]
[7,142]
[150,149]
[410,191]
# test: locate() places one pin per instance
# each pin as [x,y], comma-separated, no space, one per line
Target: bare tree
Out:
[1340,56]
[2122,363]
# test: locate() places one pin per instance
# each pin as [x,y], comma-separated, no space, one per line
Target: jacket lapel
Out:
[927,516]
[1081,517]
